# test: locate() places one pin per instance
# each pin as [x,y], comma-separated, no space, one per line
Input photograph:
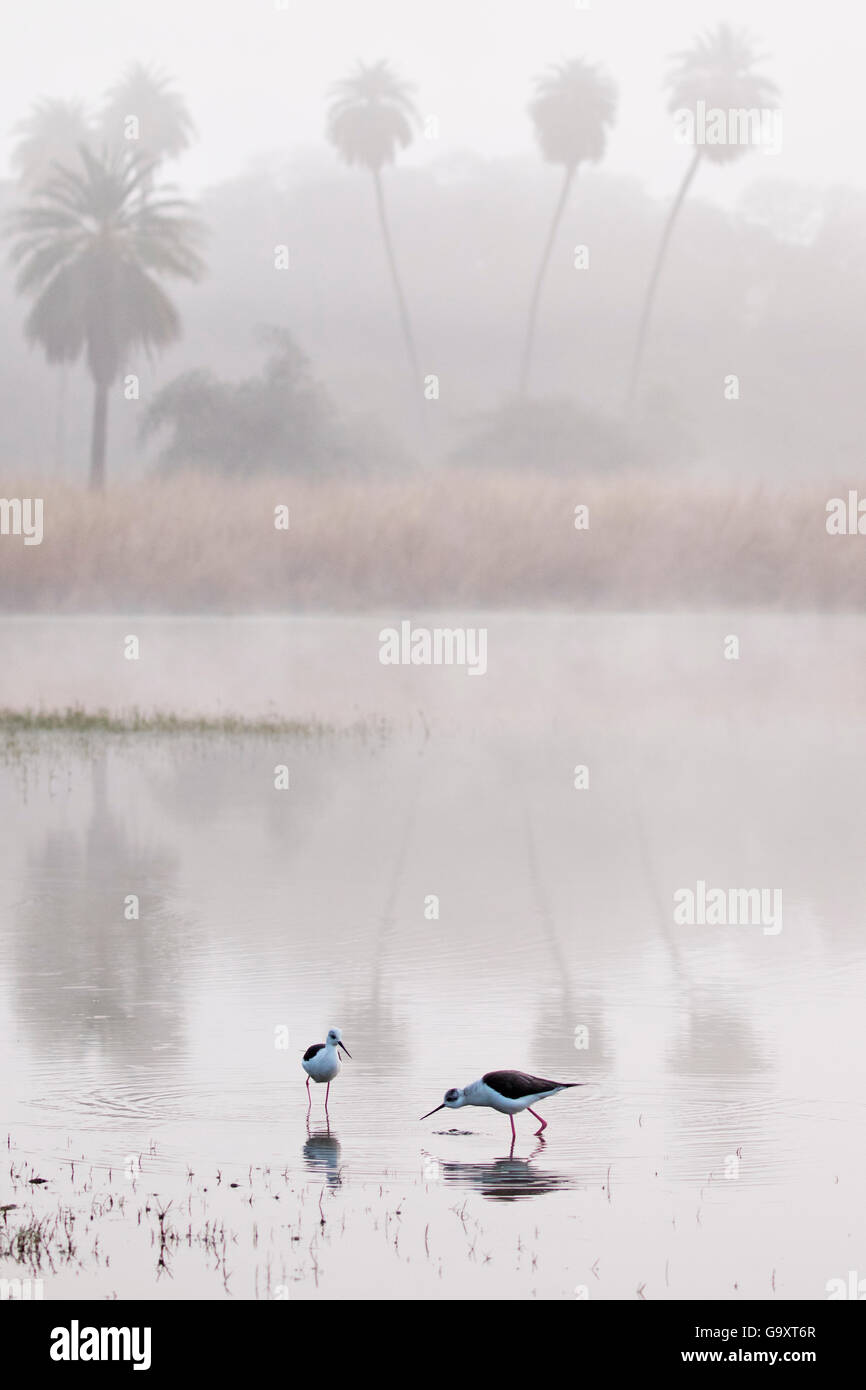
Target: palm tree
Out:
[165,127]
[90,247]
[718,70]
[574,106]
[370,118]
[52,134]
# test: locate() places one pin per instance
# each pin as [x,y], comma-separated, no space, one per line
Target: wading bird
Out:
[322,1061]
[509,1092]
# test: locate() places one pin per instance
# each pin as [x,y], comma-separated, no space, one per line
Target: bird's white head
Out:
[453,1101]
[335,1039]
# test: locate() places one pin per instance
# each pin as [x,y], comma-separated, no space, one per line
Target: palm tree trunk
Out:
[60,422]
[98,437]
[539,279]
[655,277]
[398,288]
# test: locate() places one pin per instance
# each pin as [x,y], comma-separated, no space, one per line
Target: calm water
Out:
[719,1151]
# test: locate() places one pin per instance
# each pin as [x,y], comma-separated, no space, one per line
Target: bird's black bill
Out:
[432,1112]
[345,1049]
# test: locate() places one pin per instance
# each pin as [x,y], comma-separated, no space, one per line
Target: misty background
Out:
[764,274]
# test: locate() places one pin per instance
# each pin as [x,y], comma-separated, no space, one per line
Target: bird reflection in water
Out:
[321,1155]
[502,1179]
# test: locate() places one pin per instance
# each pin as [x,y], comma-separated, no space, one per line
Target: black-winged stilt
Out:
[509,1092]
[322,1061]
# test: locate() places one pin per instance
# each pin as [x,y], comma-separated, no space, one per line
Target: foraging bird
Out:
[322,1061]
[509,1092]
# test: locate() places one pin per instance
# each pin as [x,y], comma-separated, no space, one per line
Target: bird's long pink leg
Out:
[327,1093]
[309,1097]
[513,1130]
[538,1117]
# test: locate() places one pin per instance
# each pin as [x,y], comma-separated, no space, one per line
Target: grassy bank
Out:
[16,725]
[463,539]
[80,721]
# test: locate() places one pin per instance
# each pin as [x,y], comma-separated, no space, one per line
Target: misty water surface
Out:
[718,1151]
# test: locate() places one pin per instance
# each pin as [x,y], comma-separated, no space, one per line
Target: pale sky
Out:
[256,72]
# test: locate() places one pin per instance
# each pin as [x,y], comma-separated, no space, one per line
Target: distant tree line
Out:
[98,232]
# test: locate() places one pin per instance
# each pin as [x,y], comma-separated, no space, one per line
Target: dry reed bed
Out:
[463,539]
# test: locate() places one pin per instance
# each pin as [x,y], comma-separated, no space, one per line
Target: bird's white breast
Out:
[324,1066]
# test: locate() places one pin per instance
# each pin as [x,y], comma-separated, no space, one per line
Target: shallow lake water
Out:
[150,1068]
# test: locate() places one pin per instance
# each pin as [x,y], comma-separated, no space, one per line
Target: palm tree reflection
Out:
[86,976]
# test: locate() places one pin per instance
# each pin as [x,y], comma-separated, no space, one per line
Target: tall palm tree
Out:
[165,126]
[90,247]
[573,108]
[370,118]
[719,70]
[51,135]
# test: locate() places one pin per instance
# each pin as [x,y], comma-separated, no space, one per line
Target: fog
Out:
[256,76]
[767,246]
[431,606]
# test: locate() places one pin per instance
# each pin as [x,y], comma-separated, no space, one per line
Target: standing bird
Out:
[322,1061]
[509,1092]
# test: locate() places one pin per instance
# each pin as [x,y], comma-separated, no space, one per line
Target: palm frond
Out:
[371,116]
[91,246]
[573,109]
[166,127]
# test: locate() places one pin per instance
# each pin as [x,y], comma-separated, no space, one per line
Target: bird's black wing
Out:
[311,1051]
[514,1085]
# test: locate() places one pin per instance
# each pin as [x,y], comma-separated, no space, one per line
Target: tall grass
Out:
[455,538]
